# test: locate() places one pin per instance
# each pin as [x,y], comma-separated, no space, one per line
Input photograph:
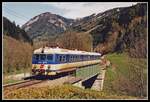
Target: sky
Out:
[21,12]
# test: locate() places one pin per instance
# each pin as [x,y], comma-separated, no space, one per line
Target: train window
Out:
[67,58]
[49,57]
[95,57]
[36,57]
[76,58]
[42,57]
[80,58]
[88,57]
[92,57]
[62,58]
[70,58]
[83,57]
[73,57]
[59,58]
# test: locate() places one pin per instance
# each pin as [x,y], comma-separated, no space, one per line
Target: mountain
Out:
[46,24]
[10,29]
[115,30]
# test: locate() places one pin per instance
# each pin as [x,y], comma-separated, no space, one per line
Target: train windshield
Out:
[44,57]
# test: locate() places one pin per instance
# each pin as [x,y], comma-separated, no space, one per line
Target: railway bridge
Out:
[90,76]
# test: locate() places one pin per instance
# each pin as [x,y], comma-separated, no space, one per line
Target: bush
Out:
[61,92]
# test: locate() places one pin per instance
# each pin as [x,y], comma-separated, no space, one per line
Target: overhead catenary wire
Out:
[16,16]
[16,13]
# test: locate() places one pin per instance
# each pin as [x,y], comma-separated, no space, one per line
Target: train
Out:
[53,61]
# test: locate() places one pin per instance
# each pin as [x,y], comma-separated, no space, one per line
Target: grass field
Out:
[117,78]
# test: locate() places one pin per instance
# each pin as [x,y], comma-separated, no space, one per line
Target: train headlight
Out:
[49,66]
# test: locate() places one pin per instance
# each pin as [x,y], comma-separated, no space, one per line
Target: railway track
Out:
[22,84]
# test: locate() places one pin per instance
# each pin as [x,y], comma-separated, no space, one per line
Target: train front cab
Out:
[41,64]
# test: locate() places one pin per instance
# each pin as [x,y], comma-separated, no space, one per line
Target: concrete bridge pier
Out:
[94,82]
[99,81]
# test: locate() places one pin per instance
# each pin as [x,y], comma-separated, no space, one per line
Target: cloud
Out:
[82,9]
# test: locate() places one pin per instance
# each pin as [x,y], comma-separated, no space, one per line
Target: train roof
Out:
[57,50]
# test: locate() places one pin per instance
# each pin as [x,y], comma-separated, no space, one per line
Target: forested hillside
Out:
[17,48]
[13,30]
[118,30]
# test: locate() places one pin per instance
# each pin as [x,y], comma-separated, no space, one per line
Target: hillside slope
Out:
[118,29]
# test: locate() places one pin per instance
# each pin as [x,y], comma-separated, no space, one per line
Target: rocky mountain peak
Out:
[46,24]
